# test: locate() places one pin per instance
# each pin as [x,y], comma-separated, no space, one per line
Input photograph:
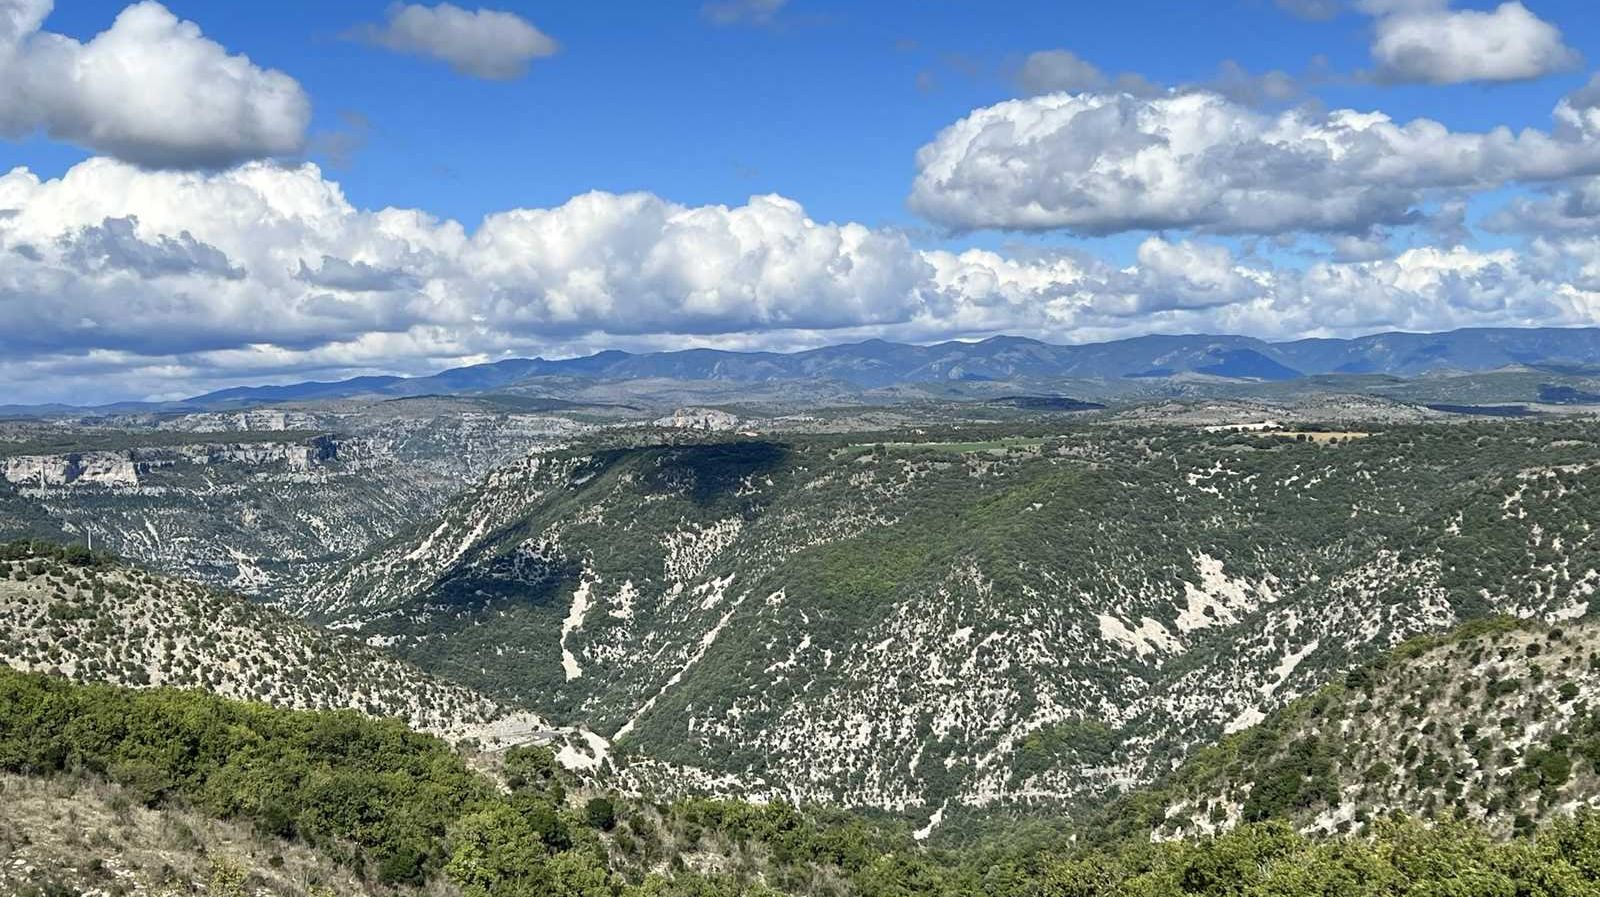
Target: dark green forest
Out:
[404,810]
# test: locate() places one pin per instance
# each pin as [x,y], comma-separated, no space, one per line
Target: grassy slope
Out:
[73,834]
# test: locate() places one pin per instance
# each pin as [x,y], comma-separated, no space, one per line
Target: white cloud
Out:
[356,277]
[484,43]
[1107,163]
[1572,208]
[151,90]
[1426,42]
[1578,114]
[322,271]
[1188,288]
[166,282]
[1186,274]
[114,244]
[1360,247]
[636,263]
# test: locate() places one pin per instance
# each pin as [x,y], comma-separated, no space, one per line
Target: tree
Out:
[495,853]
[601,813]
[578,874]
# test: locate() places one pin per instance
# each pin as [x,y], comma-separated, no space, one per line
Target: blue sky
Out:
[824,103]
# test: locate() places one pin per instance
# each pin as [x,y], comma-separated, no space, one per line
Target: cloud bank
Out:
[171,280]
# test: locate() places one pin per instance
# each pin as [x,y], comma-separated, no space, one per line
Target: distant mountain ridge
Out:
[875,364]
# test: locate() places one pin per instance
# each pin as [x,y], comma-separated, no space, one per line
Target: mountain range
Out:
[876,364]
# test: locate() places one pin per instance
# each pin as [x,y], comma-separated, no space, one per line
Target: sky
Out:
[200,195]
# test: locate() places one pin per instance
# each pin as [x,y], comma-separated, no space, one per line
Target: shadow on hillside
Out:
[710,471]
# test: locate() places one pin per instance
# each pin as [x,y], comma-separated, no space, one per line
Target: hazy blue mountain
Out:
[1464,351]
[1247,364]
[875,364]
[312,389]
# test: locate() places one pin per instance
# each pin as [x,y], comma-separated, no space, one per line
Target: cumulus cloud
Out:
[1187,274]
[1571,208]
[355,277]
[1578,113]
[1106,163]
[1360,247]
[322,271]
[485,43]
[151,90]
[637,263]
[1427,42]
[114,245]
[177,281]
[1178,288]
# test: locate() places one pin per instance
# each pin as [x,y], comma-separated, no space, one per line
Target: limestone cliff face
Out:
[125,468]
[97,468]
[699,419]
[298,456]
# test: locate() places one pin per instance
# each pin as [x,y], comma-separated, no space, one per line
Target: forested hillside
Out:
[979,617]
[319,803]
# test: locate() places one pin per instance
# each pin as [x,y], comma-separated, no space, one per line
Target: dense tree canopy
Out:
[405,809]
